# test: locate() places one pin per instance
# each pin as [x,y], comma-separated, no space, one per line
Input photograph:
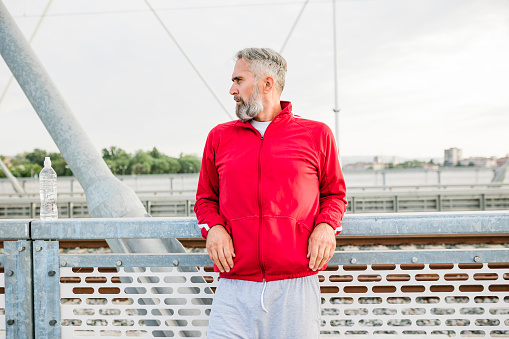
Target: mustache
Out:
[237,98]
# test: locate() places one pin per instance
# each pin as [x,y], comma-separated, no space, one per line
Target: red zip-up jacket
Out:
[270,192]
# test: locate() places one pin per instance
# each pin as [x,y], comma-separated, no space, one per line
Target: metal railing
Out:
[162,205]
[382,293]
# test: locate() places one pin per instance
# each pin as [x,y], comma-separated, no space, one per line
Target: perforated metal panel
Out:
[140,302]
[417,300]
[393,301]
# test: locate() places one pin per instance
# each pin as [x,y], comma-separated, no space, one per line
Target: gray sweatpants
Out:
[278,310]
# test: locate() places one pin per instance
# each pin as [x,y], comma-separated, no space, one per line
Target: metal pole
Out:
[500,173]
[107,197]
[56,116]
[336,87]
[15,183]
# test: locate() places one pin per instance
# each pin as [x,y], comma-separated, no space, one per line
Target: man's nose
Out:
[233,90]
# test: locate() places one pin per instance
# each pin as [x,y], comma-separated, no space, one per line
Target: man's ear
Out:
[268,84]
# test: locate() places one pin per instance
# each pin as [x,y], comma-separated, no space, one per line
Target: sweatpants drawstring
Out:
[263,291]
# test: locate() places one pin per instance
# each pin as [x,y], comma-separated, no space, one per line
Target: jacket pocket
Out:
[245,235]
[285,245]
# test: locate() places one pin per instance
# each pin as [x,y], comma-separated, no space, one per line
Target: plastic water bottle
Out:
[48,191]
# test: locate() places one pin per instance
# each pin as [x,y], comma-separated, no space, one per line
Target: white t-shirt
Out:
[261,126]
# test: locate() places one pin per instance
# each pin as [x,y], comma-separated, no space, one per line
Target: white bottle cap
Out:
[47,162]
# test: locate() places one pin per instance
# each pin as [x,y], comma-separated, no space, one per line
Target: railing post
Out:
[32,210]
[18,289]
[187,208]
[70,206]
[46,290]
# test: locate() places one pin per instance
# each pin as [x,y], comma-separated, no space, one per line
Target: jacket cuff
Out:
[204,228]
[335,225]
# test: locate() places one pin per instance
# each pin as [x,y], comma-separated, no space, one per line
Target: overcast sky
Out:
[415,76]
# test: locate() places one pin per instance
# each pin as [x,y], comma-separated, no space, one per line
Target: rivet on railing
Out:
[10,322]
[64,263]
[21,248]
[119,263]
[10,273]
[52,322]
[353,261]
[414,260]
[51,273]
[175,262]
[477,259]
[38,248]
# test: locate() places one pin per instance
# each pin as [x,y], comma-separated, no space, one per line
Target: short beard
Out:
[250,108]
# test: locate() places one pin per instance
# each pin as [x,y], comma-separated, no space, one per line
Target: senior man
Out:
[270,199]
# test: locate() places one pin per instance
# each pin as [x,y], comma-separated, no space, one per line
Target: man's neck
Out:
[269,111]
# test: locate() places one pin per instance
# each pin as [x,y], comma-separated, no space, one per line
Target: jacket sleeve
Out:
[207,195]
[332,184]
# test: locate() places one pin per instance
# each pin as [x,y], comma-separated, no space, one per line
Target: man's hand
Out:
[220,248]
[321,245]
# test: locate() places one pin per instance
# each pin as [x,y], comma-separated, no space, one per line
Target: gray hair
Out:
[265,62]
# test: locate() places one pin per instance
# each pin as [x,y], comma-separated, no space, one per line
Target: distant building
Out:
[431,166]
[377,163]
[479,162]
[452,156]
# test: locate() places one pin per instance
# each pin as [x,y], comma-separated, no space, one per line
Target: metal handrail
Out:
[389,224]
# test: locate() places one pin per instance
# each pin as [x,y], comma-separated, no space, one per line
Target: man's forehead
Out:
[241,68]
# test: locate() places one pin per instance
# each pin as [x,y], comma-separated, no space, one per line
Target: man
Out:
[269,202]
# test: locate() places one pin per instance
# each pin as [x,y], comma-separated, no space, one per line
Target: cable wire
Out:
[293,27]
[189,60]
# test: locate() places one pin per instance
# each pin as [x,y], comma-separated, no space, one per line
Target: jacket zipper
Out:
[261,209]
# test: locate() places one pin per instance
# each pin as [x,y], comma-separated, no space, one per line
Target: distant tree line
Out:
[411,164]
[422,164]
[28,164]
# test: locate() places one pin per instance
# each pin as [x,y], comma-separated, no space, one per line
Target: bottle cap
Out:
[47,162]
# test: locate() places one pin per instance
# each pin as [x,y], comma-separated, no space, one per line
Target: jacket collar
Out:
[285,114]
